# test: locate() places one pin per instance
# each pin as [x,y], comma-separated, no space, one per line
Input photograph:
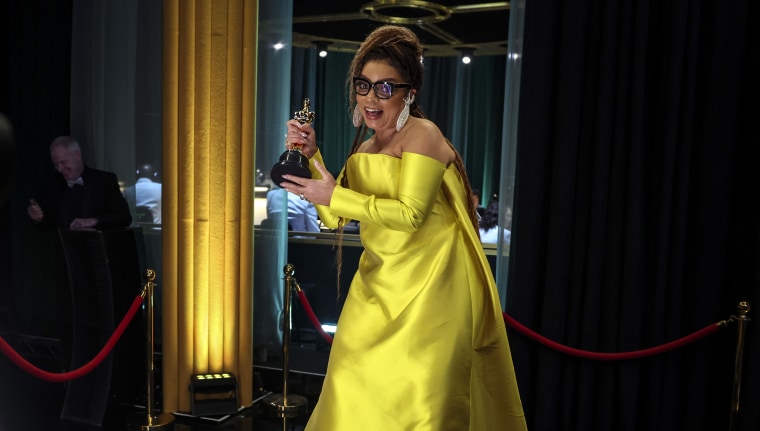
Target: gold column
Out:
[208,90]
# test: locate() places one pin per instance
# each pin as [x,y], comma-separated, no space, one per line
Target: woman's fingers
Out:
[322,170]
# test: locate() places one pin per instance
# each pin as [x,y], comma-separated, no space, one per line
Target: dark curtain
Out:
[467,104]
[634,220]
[34,77]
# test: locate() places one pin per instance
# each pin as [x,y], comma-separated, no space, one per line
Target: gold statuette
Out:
[293,161]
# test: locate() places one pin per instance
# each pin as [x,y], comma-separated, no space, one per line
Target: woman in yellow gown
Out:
[421,343]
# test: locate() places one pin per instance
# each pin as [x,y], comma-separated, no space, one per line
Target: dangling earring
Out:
[357,118]
[408,100]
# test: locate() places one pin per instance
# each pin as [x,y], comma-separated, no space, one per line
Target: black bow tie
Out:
[76,181]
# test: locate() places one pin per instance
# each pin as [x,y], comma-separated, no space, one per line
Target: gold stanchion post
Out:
[284,404]
[151,420]
[741,332]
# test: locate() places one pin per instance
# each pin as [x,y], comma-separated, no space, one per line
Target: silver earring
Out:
[408,100]
[357,118]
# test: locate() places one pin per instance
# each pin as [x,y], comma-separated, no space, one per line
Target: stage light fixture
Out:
[213,394]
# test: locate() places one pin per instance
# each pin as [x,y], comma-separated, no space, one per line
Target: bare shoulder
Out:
[365,147]
[424,137]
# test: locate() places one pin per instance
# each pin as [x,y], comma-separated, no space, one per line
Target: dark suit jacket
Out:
[99,197]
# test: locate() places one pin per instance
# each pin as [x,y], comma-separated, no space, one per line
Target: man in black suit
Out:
[77,196]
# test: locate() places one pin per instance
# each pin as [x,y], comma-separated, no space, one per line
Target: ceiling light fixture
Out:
[322,47]
[467,54]
[414,12]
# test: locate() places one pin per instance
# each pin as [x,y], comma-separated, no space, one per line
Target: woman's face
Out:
[380,114]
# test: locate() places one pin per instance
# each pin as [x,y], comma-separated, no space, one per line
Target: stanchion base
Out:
[277,405]
[144,422]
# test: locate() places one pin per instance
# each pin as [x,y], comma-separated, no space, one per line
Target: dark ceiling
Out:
[443,26]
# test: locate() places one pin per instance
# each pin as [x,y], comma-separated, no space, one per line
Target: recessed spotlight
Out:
[467,54]
[322,47]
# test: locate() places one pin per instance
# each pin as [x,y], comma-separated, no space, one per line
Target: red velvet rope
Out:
[86,368]
[313,317]
[622,356]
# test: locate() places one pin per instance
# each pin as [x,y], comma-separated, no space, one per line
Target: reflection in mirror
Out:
[301,214]
[144,195]
[274,51]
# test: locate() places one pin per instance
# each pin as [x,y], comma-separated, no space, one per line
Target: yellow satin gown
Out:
[421,343]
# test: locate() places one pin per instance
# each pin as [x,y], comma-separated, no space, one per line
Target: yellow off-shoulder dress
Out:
[421,343]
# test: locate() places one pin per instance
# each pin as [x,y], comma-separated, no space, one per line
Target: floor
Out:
[30,404]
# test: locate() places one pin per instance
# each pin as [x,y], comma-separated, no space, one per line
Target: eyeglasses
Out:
[383,89]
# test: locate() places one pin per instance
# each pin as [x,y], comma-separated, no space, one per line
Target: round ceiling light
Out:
[406,11]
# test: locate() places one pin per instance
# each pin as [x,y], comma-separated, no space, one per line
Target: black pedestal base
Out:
[291,163]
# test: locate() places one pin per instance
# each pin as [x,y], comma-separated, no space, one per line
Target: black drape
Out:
[633,220]
[34,95]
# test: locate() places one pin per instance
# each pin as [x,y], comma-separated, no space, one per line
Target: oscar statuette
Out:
[293,161]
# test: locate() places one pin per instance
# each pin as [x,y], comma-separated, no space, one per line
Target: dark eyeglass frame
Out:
[393,86]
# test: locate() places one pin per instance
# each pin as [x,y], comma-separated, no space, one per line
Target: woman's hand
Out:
[301,134]
[318,192]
